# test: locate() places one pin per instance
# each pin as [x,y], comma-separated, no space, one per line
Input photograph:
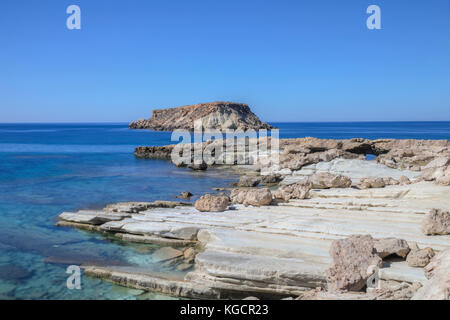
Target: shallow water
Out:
[46,169]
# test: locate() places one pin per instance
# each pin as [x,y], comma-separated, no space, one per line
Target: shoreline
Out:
[393,208]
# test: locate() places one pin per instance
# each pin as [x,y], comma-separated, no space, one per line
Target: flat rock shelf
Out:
[271,251]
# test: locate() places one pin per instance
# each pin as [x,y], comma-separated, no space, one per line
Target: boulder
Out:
[437,271]
[368,183]
[212,203]
[251,197]
[436,222]
[419,257]
[271,179]
[325,180]
[389,246]
[248,181]
[294,191]
[352,258]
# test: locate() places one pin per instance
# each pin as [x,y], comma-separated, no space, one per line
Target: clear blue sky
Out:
[292,60]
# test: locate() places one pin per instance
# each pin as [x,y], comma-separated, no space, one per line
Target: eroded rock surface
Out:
[436,222]
[251,197]
[352,258]
[419,257]
[293,191]
[389,246]
[438,286]
[325,180]
[212,203]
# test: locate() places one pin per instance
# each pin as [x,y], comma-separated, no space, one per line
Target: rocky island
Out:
[322,226]
[213,115]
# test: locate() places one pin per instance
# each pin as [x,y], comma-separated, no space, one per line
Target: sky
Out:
[290,60]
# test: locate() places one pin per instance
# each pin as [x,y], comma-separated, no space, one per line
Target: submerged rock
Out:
[352,258]
[436,222]
[198,166]
[166,253]
[212,203]
[185,195]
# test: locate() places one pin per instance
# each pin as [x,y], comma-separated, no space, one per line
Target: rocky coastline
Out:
[323,225]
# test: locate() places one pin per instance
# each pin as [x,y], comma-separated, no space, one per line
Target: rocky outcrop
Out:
[272,251]
[436,222]
[251,197]
[214,115]
[352,258]
[212,203]
[412,155]
[438,286]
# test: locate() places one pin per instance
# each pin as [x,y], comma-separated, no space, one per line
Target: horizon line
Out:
[125,122]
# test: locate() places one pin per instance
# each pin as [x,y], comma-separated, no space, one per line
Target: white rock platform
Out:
[271,251]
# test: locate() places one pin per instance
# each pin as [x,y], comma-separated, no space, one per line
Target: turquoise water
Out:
[46,169]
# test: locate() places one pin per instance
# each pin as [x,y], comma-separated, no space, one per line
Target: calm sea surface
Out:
[46,169]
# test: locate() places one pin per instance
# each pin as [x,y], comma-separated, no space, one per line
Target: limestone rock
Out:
[389,246]
[271,179]
[251,197]
[436,222]
[293,191]
[400,291]
[189,255]
[248,181]
[212,203]
[419,257]
[352,258]
[404,180]
[214,115]
[438,287]
[325,180]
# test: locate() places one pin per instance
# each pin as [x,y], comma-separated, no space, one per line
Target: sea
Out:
[47,169]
